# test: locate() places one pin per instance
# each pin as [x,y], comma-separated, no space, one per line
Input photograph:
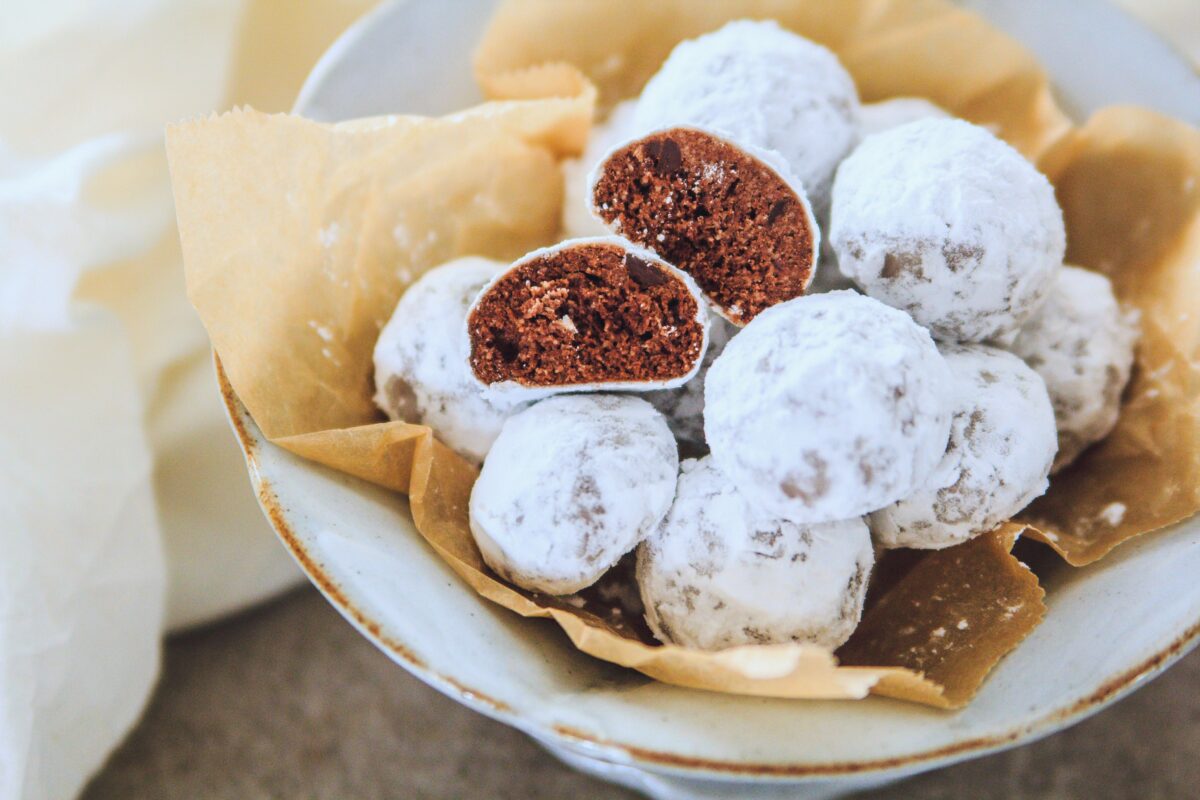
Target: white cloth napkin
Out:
[114,450]
[81,570]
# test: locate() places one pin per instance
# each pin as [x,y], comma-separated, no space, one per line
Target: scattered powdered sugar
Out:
[1113,514]
[422,374]
[572,484]
[402,237]
[512,391]
[719,572]
[416,247]
[577,217]
[329,235]
[765,87]
[943,220]
[321,330]
[827,407]
[713,172]
[1081,342]
[1002,443]
[684,407]
[887,114]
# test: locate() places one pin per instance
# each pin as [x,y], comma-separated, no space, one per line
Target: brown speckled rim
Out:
[616,752]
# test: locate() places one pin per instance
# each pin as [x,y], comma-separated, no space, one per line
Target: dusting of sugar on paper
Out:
[1113,514]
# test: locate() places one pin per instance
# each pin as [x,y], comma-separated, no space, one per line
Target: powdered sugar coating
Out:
[1082,343]
[827,407]
[571,485]
[421,369]
[684,407]
[718,572]
[894,112]
[1002,443]
[872,118]
[945,221]
[762,86]
[508,392]
[577,217]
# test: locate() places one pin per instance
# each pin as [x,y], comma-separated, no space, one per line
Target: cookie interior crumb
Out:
[584,314]
[716,212]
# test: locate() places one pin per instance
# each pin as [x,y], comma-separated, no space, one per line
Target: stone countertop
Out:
[288,701]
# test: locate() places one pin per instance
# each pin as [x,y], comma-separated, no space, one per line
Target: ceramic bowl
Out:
[1109,628]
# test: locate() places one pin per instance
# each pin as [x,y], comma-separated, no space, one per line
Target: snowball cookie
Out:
[577,217]
[888,114]
[945,221]
[765,87]
[1002,443]
[719,572]
[587,315]
[729,216]
[1081,342]
[872,118]
[421,370]
[827,407]
[571,485]
[684,407]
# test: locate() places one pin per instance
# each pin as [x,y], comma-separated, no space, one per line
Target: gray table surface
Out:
[288,701]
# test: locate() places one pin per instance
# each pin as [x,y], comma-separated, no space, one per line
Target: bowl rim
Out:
[592,746]
[606,749]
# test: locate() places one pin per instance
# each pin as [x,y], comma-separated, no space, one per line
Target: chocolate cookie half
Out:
[732,218]
[587,315]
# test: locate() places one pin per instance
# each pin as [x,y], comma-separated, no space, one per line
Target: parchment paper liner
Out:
[1129,185]
[298,238]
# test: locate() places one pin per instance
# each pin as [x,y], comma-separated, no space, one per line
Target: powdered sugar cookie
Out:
[730,217]
[945,221]
[1081,342]
[872,118]
[764,87]
[827,407]
[1002,443]
[719,572]
[587,315]
[572,484]
[421,370]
